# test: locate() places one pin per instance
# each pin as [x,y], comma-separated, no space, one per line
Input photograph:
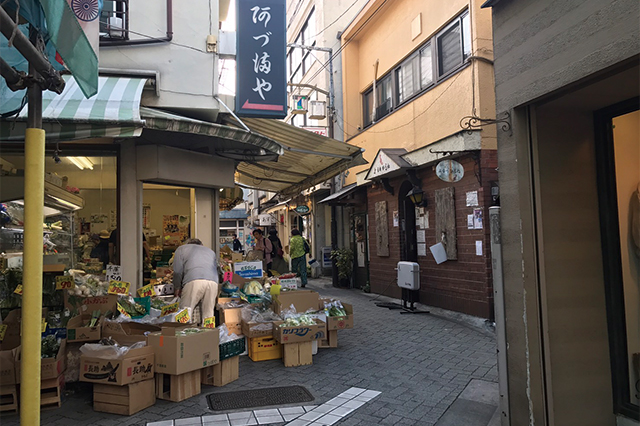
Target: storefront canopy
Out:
[308,158]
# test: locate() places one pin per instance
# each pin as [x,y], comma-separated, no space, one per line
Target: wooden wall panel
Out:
[446,221]
[382,229]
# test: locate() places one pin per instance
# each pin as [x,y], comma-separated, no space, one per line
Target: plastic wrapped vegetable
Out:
[50,346]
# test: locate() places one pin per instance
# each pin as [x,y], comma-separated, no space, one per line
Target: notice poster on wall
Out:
[470,224]
[472,198]
[396,219]
[422,249]
[477,219]
[420,236]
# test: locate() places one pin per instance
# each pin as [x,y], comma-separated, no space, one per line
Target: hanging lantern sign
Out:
[450,171]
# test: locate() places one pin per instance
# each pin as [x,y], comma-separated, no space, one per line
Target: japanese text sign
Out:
[261,80]
[64,282]
[118,287]
[147,290]
[209,322]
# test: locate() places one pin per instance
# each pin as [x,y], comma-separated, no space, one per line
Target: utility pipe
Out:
[32,257]
[11,75]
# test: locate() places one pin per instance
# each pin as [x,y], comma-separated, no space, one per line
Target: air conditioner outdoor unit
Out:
[409,275]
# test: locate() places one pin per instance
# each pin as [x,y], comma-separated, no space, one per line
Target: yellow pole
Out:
[32,278]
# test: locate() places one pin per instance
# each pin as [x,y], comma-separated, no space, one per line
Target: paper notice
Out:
[470,224]
[478,248]
[420,236]
[439,253]
[422,249]
[472,198]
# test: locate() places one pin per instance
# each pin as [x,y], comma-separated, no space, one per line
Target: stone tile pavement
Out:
[420,363]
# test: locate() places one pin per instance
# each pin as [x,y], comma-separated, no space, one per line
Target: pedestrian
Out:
[195,276]
[277,254]
[298,249]
[264,244]
[237,245]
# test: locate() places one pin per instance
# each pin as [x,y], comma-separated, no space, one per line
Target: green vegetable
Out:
[132,308]
[50,346]
[94,318]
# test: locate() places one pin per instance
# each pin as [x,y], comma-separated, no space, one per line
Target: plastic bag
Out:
[256,313]
[224,334]
[97,350]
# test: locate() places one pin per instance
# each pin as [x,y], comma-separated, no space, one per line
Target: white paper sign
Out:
[420,236]
[422,249]
[290,283]
[396,219]
[114,272]
[478,248]
[472,198]
[477,218]
[470,224]
[439,253]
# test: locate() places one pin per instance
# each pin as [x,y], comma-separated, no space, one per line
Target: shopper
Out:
[277,254]
[195,276]
[264,244]
[101,250]
[237,245]
[298,249]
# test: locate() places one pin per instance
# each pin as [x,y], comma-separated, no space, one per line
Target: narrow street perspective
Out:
[320,212]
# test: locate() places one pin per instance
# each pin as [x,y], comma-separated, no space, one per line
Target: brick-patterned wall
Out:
[463,285]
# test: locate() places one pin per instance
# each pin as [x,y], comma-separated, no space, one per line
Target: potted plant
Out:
[344,262]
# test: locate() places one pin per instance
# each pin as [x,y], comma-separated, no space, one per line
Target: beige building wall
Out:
[386,39]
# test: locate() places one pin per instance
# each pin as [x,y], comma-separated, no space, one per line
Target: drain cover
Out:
[258,398]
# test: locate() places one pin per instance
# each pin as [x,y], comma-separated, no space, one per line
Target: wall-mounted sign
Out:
[322,131]
[266,220]
[450,171]
[302,209]
[261,81]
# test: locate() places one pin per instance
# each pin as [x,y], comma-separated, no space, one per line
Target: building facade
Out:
[567,73]
[414,74]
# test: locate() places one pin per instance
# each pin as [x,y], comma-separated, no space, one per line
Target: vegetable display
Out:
[50,346]
[298,321]
[131,307]
[334,309]
[253,288]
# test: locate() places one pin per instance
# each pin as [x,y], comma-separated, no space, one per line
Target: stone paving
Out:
[420,364]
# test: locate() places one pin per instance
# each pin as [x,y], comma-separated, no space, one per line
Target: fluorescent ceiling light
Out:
[81,162]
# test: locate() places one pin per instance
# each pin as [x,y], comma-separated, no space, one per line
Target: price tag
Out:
[169,309]
[65,283]
[114,272]
[228,276]
[147,290]
[3,331]
[183,316]
[122,311]
[18,290]
[43,326]
[119,287]
[209,322]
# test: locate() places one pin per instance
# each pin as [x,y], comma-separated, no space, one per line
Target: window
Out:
[114,20]
[454,45]
[368,107]
[408,76]
[385,96]
[300,61]
[426,67]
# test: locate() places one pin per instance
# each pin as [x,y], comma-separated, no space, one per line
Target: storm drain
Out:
[258,398]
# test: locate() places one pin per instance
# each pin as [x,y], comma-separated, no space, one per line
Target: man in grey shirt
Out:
[195,276]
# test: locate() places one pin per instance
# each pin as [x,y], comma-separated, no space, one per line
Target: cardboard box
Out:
[237,257]
[9,399]
[303,300]
[331,341]
[8,367]
[178,354]
[50,368]
[135,366]
[178,388]
[223,373]
[125,400]
[257,329]
[297,354]
[13,321]
[86,305]
[163,271]
[231,317]
[51,392]
[128,333]
[303,333]
[343,322]
[77,332]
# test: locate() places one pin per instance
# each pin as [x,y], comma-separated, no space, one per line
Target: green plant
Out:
[344,261]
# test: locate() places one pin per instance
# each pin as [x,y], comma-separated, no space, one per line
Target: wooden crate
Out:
[178,388]
[297,354]
[330,342]
[51,392]
[9,398]
[125,400]
[223,373]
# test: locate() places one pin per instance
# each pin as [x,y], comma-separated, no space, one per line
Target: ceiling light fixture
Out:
[81,162]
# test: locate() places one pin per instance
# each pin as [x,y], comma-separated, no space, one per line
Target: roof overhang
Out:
[455,145]
[308,158]
[388,163]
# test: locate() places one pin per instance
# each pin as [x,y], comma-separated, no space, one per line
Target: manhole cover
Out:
[258,398]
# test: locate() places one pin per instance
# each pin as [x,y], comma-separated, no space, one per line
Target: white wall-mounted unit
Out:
[317,110]
[409,275]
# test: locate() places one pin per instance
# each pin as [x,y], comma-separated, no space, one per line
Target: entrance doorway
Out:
[360,247]
[407,217]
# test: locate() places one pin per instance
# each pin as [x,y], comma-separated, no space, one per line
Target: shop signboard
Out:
[322,131]
[114,273]
[266,220]
[450,171]
[248,269]
[261,85]
[302,209]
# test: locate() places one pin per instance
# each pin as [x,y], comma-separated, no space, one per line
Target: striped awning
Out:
[113,112]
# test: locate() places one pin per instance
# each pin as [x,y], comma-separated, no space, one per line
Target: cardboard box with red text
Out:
[135,366]
[303,333]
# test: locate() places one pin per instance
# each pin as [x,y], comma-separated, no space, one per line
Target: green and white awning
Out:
[113,112]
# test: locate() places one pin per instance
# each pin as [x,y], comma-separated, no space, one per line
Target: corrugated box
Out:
[303,300]
[331,341]
[82,305]
[303,333]
[8,366]
[342,322]
[178,388]
[50,368]
[78,332]
[125,400]
[297,354]
[128,333]
[257,329]
[222,373]
[135,366]
[178,354]
[231,317]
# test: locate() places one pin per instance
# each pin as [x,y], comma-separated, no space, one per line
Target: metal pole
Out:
[32,257]
[498,304]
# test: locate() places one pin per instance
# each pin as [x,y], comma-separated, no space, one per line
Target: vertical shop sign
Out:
[261,80]
[382,229]
[446,232]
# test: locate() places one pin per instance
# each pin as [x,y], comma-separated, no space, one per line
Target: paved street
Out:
[421,364]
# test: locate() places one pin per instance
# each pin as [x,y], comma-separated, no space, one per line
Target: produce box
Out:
[50,368]
[8,366]
[297,354]
[178,388]
[12,333]
[125,400]
[78,305]
[340,322]
[128,333]
[135,366]
[222,373]
[178,353]
[77,331]
[303,300]
[264,348]
[163,271]
[257,329]
[303,333]
[231,317]
[237,257]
